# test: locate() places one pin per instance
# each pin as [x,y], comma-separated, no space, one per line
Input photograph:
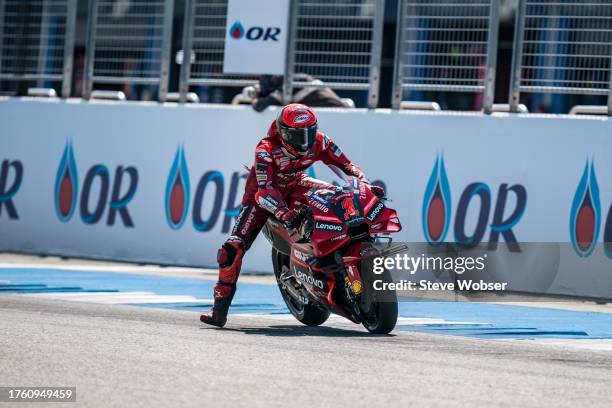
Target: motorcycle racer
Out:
[293,143]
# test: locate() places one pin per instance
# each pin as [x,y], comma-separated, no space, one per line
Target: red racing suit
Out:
[278,178]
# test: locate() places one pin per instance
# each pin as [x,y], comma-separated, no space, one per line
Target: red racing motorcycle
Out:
[324,264]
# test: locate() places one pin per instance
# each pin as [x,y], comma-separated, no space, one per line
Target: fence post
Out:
[396,98]
[187,46]
[489,93]
[91,48]
[166,46]
[1,33]
[69,48]
[517,56]
[376,51]
[610,89]
[290,53]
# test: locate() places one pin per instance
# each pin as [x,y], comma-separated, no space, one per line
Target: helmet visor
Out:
[300,139]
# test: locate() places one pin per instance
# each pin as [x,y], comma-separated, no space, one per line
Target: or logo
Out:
[206,201]
[66,185]
[436,213]
[99,184]
[491,213]
[10,181]
[237,31]
[585,215]
[177,191]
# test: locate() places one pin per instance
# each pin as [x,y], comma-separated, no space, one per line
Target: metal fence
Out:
[37,41]
[338,43]
[128,42]
[204,35]
[446,45]
[562,46]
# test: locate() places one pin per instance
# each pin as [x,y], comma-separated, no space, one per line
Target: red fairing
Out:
[380,218]
[387,222]
[332,216]
[326,240]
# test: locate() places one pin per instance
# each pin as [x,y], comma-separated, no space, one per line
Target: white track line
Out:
[120,297]
[401,321]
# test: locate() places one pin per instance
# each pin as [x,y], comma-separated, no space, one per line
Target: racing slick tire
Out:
[308,314]
[382,311]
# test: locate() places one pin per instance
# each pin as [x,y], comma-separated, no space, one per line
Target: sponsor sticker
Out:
[375,211]
[325,141]
[300,255]
[328,226]
[336,150]
[266,204]
[264,155]
[302,118]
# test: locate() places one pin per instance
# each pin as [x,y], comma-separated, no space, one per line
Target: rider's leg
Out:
[248,224]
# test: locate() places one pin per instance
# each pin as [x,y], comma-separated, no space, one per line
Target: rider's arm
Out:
[332,156]
[267,196]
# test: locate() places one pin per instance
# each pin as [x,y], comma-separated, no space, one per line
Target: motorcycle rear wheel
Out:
[310,315]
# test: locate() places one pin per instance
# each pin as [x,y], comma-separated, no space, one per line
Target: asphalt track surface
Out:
[119,355]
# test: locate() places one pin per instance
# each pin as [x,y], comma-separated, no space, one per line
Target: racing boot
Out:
[224,293]
[229,258]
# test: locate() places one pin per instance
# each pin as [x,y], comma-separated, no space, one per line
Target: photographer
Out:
[270,88]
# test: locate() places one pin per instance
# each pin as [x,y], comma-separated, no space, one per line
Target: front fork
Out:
[349,264]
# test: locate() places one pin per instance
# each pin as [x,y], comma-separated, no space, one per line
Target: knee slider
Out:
[228,251]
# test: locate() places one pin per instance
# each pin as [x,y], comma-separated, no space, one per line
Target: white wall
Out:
[544,154]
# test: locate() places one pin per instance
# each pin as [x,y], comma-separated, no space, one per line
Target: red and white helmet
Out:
[297,126]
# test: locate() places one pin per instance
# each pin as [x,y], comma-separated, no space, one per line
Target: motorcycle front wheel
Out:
[310,315]
[379,307]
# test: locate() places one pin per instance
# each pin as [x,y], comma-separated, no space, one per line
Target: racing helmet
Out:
[297,127]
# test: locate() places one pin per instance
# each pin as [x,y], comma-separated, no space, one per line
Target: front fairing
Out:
[347,214]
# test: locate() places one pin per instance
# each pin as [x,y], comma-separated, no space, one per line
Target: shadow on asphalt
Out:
[295,331]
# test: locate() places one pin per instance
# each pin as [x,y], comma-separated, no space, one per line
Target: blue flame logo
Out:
[177,191]
[436,212]
[236,31]
[585,213]
[66,185]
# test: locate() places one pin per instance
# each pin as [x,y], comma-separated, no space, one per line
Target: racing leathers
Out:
[277,178]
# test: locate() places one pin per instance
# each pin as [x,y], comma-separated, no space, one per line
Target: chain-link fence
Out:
[562,46]
[337,43]
[37,42]
[446,45]
[128,42]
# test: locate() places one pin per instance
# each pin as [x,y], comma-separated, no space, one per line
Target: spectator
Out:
[270,92]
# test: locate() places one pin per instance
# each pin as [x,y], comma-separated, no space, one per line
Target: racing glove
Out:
[288,217]
[378,191]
